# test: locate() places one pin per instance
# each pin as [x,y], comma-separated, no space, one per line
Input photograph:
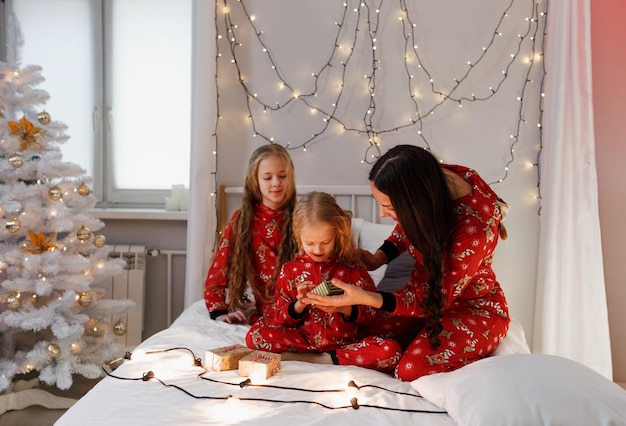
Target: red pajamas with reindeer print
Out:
[317,331]
[266,237]
[475,312]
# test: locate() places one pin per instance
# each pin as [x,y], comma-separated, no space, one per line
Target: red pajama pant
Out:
[372,352]
[468,335]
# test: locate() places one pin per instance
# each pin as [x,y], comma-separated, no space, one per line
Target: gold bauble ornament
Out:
[99,240]
[53,350]
[13,225]
[85,299]
[120,328]
[43,117]
[13,301]
[55,193]
[83,234]
[83,189]
[91,329]
[16,160]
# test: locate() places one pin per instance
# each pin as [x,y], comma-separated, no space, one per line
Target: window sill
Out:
[138,214]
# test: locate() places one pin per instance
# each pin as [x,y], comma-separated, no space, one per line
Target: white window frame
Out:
[103,186]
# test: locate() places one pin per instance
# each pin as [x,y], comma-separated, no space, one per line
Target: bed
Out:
[164,379]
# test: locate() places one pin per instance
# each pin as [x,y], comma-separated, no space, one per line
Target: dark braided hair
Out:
[417,187]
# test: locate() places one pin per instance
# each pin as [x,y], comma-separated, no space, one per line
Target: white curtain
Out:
[571,317]
[202,220]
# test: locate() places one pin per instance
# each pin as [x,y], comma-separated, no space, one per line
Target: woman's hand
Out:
[352,295]
[236,317]
[346,310]
[303,301]
[373,261]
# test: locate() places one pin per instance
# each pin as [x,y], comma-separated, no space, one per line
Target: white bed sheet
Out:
[136,402]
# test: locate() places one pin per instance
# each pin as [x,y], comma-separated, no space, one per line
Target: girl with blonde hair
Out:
[306,332]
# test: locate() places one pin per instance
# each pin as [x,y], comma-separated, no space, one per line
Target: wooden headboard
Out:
[356,198]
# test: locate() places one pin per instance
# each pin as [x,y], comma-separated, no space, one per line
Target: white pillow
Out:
[355,229]
[371,238]
[526,389]
[514,342]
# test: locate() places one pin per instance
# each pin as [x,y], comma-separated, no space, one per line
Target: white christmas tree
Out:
[55,312]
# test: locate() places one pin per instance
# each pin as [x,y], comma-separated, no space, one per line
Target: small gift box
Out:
[259,364]
[327,288]
[225,358]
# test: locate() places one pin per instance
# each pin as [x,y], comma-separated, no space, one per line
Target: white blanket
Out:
[513,388]
[138,402]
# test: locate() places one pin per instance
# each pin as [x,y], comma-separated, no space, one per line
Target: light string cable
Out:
[353,384]
[531,32]
[372,27]
[218,116]
[354,404]
[248,381]
[335,55]
[369,114]
[411,49]
[534,57]
[541,106]
[294,95]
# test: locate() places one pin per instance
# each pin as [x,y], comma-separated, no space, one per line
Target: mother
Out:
[452,311]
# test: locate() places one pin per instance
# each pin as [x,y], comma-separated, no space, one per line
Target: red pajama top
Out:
[322,329]
[266,237]
[468,280]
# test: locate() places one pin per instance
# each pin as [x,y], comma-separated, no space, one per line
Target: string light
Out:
[347,30]
[354,404]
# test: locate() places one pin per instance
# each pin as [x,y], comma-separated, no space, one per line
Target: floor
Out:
[40,416]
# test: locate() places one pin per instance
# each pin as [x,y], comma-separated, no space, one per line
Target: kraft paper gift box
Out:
[226,358]
[259,364]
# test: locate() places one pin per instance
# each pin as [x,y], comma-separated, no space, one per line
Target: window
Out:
[118,73]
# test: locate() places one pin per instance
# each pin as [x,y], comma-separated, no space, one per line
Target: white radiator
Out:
[130,284]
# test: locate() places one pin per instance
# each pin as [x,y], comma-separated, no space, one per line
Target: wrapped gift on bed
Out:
[226,357]
[259,364]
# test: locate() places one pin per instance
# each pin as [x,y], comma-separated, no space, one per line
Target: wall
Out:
[279,53]
[609,64]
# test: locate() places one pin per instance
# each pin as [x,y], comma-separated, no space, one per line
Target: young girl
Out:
[256,241]
[322,230]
